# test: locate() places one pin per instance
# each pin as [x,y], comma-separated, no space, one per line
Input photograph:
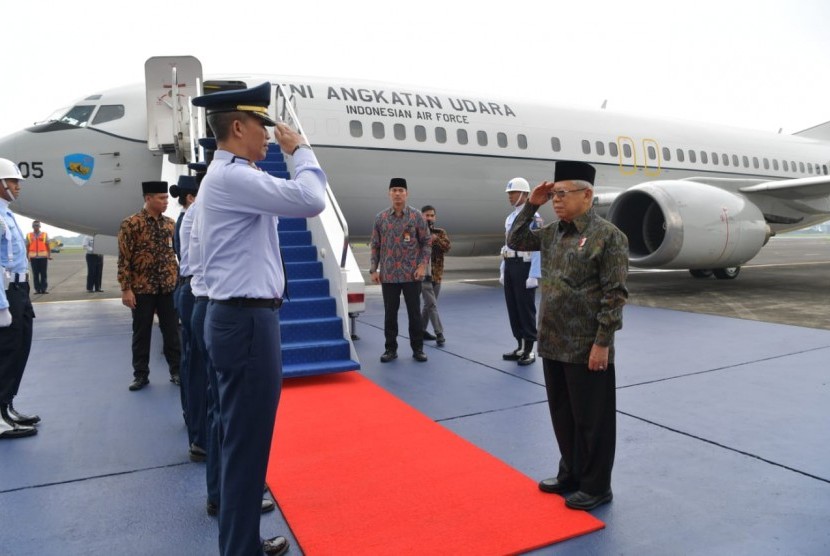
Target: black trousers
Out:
[15,341]
[94,271]
[39,265]
[521,301]
[392,302]
[583,409]
[147,305]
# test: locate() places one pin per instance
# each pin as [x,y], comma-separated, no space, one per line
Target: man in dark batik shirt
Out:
[584,268]
[148,273]
[401,251]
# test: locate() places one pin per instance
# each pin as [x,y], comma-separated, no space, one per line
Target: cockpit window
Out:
[78,115]
[108,113]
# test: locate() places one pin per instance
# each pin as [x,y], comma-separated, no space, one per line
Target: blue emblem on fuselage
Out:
[79,167]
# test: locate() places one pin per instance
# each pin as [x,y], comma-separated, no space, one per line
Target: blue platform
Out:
[722,432]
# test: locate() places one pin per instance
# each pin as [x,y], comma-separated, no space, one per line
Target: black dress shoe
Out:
[197,453]
[512,355]
[21,418]
[440,340]
[388,356]
[553,486]
[275,547]
[527,358]
[583,501]
[267,506]
[139,383]
[419,356]
[428,336]
[175,379]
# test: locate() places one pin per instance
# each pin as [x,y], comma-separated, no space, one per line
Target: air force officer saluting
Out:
[238,207]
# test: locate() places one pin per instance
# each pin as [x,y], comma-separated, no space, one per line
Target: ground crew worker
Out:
[37,247]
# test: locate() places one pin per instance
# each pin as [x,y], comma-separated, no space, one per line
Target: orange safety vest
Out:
[38,246]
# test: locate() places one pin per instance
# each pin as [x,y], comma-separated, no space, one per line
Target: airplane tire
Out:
[729,273]
[701,272]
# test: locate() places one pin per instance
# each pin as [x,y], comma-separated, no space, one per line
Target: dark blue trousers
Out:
[244,348]
[15,341]
[212,425]
[192,372]
[521,301]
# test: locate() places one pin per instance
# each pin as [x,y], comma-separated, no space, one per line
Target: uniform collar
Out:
[4,204]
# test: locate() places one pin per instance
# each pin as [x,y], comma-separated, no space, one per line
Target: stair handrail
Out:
[286,106]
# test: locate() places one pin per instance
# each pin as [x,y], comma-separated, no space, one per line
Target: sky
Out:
[757,64]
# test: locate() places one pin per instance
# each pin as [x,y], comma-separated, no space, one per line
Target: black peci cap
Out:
[567,170]
[152,187]
[397,182]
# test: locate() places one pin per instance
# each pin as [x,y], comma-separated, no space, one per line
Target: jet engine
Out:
[685,224]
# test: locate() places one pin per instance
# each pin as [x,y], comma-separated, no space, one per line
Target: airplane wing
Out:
[799,188]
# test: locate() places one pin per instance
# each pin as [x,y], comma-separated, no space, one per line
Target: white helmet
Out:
[518,184]
[9,169]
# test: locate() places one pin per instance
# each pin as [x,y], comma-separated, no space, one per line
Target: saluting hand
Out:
[287,138]
[540,194]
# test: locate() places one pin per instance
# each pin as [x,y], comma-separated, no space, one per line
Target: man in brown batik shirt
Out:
[147,272]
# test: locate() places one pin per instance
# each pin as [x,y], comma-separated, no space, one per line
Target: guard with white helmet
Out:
[519,273]
[16,313]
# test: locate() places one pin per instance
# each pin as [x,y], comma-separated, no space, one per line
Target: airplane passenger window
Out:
[482,138]
[715,159]
[775,164]
[735,160]
[420,133]
[501,139]
[440,134]
[78,115]
[704,158]
[462,136]
[825,169]
[626,150]
[801,167]
[555,144]
[613,150]
[746,161]
[400,132]
[680,157]
[766,164]
[810,167]
[755,162]
[692,156]
[725,159]
[586,146]
[108,113]
[652,154]
[378,131]
[786,166]
[521,139]
[600,148]
[666,154]
[356,128]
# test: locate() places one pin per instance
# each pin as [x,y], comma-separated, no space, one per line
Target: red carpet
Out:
[357,471]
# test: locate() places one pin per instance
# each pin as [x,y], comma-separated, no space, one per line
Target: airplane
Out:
[687,195]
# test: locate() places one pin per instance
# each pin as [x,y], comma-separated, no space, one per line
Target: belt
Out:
[18,277]
[251,302]
[186,279]
[202,298]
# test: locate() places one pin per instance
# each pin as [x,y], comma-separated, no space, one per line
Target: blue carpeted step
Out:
[298,253]
[272,166]
[315,352]
[300,237]
[298,271]
[307,308]
[308,287]
[319,368]
[304,330]
[292,224]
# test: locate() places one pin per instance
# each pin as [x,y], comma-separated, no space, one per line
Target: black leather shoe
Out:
[267,506]
[176,379]
[512,355]
[440,340]
[553,486]
[139,383]
[419,356]
[583,501]
[428,336]
[275,547]
[197,453]
[527,359]
[10,429]
[388,356]
[21,418]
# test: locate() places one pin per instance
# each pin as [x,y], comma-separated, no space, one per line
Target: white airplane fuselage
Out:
[365,133]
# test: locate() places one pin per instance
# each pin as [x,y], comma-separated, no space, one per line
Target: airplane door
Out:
[171,82]
[628,155]
[652,160]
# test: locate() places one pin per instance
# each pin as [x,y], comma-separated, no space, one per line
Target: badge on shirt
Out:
[582,241]
[406,237]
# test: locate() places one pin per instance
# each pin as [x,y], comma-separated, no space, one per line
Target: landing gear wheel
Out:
[701,272]
[729,273]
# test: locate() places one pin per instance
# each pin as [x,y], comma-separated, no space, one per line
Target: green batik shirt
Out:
[584,267]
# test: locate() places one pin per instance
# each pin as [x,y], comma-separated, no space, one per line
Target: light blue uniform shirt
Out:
[194,254]
[238,207]
[12,248]
[184,233]
[535,258]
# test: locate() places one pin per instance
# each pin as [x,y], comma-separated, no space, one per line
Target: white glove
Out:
[5,318]
[501,278]
[531,283]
